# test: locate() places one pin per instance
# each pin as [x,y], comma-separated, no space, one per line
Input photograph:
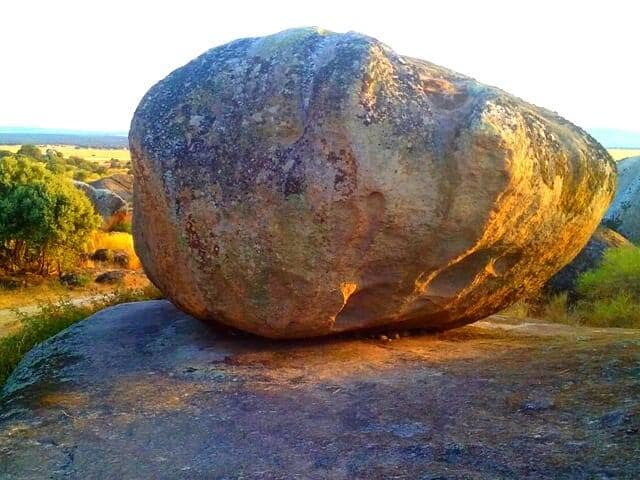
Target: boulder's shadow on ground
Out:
[144,391]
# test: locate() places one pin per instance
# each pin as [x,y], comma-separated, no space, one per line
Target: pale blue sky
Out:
[86,64]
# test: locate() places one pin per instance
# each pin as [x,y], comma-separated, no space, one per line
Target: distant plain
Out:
[93,154]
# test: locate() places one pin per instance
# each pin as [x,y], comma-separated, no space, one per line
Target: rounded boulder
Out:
[309,183]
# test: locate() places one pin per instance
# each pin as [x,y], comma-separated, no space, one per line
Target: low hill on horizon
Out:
[45,136]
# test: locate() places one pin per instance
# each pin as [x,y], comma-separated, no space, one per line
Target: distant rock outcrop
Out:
[119,183]
[624,213]
[109,205]
[589,258]
[308,183]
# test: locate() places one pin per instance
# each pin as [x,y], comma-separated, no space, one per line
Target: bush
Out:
[44,220]
[610,294]
[81,175]
[621,311]
[122,227]
[618,273]
[31,151]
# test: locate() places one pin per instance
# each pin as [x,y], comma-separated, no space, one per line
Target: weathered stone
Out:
[109,205]
[589,258]
[308,183]
[121,184]
[121,258]
[143,391]
[111,277]
[624,214]
[102,255]
[71,279]
[11,283]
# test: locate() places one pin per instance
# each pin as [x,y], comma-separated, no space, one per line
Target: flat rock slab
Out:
[144,391]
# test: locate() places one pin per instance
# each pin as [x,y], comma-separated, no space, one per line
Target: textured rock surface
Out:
[308,183]
[121,184]
[624,214]
[109,205]
[144,391]
[589,258]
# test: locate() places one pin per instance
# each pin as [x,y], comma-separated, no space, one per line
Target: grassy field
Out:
[44,290]
[620,153]
[93,154]
[50,289]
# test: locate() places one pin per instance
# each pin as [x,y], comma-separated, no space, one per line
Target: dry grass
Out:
[115,241]
[620,153]
[48,289]
[92,154]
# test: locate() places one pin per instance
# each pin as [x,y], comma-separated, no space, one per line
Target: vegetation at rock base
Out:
[54,317]
[44,220]
[114,241]
[608,296]
[46,224]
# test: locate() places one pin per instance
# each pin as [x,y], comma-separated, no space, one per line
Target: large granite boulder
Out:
[624,213]
[590,257]
[308,182]
[144,391]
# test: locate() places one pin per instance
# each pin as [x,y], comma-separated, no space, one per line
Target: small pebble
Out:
[383,338]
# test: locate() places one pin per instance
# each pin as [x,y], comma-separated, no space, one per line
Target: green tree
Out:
[44,220]
[81,175]
[31,151]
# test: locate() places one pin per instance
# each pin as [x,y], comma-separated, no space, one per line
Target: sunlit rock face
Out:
[308,182]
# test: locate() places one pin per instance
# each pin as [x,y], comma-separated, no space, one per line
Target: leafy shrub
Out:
[610,294]
[81,175]
[122,227]
[31,151]
[618,273]
[44,220]
[621,311]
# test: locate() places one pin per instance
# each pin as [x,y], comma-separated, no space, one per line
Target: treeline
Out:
[44,220]
[74,167]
